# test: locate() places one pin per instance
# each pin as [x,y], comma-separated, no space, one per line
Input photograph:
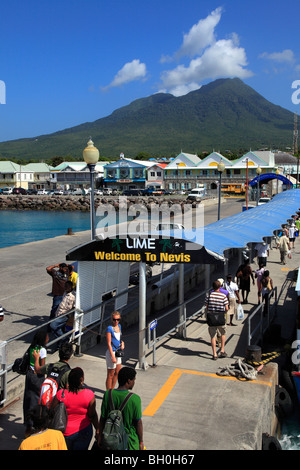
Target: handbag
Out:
[215,317]
[60,416]
[21,365]
[119,353]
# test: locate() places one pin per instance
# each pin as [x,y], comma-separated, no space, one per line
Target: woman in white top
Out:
[114,343]
[233,295]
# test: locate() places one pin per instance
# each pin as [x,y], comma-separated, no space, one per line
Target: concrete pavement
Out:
[186,406]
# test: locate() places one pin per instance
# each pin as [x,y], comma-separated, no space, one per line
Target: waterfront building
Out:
[126,173]
[155,175]
[15,176]
[72,175]
[188,171]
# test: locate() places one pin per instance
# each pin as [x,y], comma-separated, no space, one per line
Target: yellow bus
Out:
[233,188]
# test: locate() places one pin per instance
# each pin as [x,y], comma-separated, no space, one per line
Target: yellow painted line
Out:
[174,377]
[163,393]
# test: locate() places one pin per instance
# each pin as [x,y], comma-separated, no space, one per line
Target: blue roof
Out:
[252,225]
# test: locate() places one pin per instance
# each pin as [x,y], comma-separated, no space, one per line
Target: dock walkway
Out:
[186,405]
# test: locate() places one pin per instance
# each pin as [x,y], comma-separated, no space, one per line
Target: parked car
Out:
[32,191]
[169,227]
[165,192]
[58,192]
[132,192]
[98,192]
[263,200]
[152,192]
[107,191]
[42,192]
[1,191]
[19,191]
[78,192]
[7,190]
[196,194]
[135,273]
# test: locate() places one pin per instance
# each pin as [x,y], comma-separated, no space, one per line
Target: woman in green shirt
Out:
[33,380]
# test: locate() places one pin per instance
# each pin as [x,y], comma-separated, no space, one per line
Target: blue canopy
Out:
[252,225]
[266,177]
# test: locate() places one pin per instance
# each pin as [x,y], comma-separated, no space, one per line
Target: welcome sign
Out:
[138,249]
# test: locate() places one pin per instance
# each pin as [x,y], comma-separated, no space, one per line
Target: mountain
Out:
[225,114]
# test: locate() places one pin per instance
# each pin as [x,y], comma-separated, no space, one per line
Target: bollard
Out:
[253,353]
[70,231]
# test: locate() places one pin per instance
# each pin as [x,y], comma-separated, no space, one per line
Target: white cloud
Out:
[200,35]
[211,58]
[222,59]
[286,56]
[131,71]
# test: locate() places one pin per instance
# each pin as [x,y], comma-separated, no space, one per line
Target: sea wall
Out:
[81,203]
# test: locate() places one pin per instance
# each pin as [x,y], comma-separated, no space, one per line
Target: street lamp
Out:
[91,156]
[258,172]
[221,168]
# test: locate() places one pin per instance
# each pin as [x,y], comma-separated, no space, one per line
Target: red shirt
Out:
[77,407]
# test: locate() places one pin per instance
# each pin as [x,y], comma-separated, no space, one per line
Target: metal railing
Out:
[180,327]
[262,317]
[74,335]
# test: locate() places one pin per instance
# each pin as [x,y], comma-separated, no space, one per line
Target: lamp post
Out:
[258,172]
[91,156]
[221,168]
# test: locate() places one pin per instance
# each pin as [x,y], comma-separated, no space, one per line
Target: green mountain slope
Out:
[225,114]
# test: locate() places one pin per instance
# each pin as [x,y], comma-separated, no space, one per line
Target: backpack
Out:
[21,365]
[114,436]
[51,384]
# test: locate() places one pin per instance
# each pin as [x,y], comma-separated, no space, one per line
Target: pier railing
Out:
[260,319]
[187,311]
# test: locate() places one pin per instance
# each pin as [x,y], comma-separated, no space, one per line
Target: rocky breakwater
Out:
[82,203]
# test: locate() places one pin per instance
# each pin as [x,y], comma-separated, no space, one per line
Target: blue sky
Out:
[63,62]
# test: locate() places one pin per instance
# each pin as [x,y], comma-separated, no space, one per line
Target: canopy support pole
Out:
[142,316]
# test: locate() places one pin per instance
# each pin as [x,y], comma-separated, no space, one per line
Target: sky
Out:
[67,62]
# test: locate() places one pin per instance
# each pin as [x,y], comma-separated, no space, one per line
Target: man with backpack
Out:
[112,424]
[56,373]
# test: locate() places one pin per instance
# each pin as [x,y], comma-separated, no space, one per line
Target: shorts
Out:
[109,363]
[232,306]
[216,330]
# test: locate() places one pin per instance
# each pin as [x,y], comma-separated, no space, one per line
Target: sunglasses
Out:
[116,319]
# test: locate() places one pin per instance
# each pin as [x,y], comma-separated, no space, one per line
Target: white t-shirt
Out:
[232,289]
[262,250]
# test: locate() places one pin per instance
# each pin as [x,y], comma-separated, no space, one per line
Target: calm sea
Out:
[17,227]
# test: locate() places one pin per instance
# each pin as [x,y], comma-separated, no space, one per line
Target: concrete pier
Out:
[186,404]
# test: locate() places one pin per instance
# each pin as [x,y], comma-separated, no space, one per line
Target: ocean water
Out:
[17,227]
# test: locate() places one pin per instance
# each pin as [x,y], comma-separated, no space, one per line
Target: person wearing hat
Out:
[233,297]
[59,274]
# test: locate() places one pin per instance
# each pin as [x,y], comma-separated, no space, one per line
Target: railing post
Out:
[3,371]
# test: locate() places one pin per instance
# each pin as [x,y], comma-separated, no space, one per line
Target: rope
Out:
[240,371]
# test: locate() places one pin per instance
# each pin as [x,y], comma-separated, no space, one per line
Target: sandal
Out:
[214,358]
[223,354]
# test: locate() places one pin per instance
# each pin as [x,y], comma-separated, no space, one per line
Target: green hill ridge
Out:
[225,114]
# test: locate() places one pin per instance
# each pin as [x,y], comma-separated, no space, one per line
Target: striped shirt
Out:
[216,301]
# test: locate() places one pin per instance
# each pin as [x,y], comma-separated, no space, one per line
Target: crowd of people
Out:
[222,301]
[83,422]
